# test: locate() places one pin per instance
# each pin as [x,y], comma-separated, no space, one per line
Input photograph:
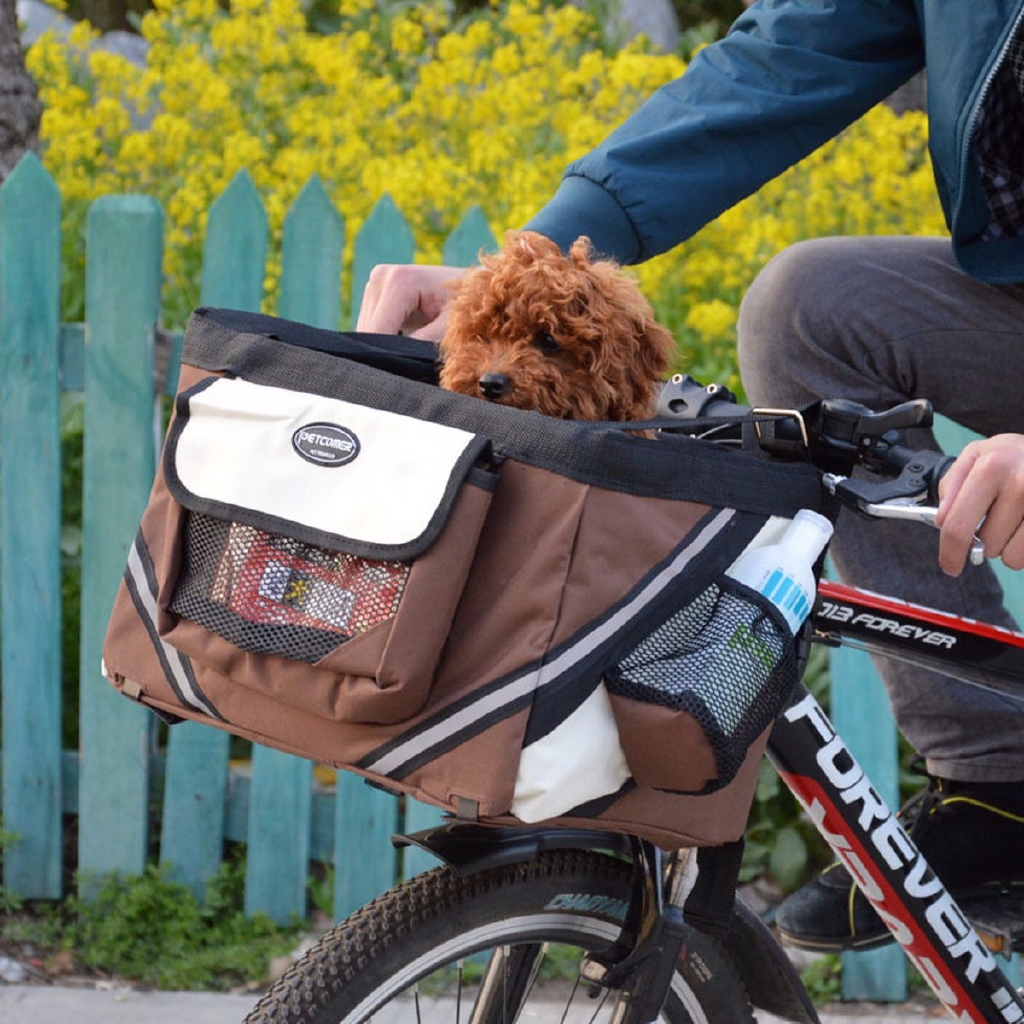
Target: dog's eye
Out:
[546,342]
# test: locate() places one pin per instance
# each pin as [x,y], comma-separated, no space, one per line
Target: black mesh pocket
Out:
[270,594]
[725,661]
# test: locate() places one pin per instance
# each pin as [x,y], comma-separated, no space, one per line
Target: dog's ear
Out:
[612,292]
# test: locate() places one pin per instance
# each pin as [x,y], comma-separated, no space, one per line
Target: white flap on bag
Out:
[266,455]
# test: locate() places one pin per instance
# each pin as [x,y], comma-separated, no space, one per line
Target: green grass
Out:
[149,929]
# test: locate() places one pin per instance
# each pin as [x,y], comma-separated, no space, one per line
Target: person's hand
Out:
[985,482]
[407,299]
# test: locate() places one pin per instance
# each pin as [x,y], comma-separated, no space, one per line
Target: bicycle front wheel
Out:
[492,948]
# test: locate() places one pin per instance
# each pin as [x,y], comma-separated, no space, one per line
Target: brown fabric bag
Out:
[464,602]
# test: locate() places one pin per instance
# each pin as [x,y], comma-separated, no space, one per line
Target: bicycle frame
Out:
[955,646]
[863,832]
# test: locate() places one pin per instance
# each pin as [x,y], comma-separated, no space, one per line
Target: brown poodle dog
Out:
[567,336]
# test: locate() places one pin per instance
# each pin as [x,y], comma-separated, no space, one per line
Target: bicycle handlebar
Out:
[835,435]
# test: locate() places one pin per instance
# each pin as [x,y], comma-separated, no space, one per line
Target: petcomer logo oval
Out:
[325,444]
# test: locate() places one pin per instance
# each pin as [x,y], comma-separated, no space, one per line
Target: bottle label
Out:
[784,592]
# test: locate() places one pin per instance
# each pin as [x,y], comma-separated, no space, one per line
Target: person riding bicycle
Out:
[876,320]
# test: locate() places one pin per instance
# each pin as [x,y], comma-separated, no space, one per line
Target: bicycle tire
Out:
[375,962]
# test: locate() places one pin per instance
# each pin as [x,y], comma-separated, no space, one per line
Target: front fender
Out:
[771,979]
[467,847]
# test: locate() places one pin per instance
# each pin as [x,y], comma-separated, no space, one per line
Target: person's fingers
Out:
[1004,517]
[432,330]
[984,486]
[406,298]
[957,518]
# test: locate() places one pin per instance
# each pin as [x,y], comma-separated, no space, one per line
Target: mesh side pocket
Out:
[720,669]
[270,594]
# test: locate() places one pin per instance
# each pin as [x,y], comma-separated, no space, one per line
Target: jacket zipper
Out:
[976,109]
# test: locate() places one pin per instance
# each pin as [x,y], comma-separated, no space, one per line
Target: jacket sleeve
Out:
[788,76]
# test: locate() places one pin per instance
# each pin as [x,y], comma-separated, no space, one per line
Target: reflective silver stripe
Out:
[545,675]
[179,672]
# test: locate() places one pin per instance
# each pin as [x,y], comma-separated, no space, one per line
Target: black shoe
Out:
[971,834]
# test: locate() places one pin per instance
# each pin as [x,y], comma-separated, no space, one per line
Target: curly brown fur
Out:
[567,335]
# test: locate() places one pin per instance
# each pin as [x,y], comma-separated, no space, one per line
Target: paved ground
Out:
[50,1004]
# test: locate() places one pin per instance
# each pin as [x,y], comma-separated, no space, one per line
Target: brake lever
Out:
[907,508]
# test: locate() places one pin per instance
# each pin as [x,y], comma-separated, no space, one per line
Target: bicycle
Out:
[659,935]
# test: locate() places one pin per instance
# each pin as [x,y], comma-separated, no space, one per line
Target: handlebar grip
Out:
[936,475]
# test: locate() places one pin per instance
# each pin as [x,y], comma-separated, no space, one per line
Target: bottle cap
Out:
[810,533]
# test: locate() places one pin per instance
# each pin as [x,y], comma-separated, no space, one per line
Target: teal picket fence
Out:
[286,813]
[130,783]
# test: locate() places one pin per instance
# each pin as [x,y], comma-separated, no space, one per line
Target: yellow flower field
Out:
[488,112]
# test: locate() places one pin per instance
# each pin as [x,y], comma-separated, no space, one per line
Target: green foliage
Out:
[780,842]
[151,929]
[109,15]
[696,36]
[36,928]
[9,901]
[721,13]
[321,888]
[823,979]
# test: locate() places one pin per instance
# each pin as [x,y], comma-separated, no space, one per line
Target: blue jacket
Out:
[788,76]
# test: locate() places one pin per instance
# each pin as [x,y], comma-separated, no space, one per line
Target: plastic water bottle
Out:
[784,572]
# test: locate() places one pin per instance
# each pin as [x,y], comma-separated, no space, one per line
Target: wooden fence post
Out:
[30,211]
[124,250]
[196,780]
[462,247]
[384,238]
[235,253]
[312,245]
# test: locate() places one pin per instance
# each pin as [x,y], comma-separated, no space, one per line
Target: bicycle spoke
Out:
[458,991]
[572,999]
[507,981]
[599,1004]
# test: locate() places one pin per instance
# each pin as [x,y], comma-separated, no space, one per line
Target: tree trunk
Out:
[20,109]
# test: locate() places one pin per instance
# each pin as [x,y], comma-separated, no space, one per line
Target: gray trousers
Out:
[880,321]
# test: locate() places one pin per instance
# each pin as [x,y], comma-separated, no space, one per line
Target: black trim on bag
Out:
[165,716]
[561,666]
[407,357]
[683,470]
[177,668]
[464,471]
[596,807]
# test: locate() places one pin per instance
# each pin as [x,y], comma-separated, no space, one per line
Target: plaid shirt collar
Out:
[999,137]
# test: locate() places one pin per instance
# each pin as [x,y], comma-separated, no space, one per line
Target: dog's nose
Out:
[493,386]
